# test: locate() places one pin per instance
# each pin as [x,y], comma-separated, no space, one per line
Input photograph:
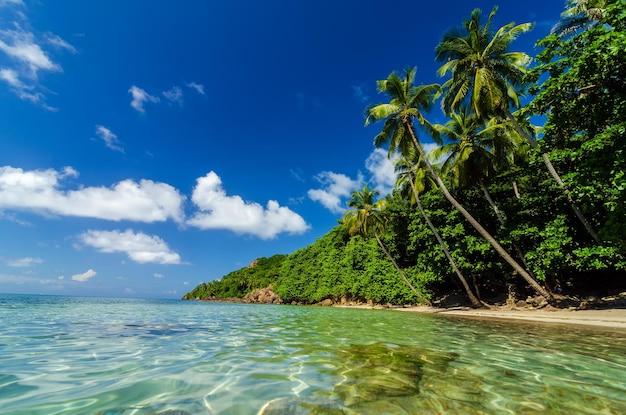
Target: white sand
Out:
[607,318]
[613,318]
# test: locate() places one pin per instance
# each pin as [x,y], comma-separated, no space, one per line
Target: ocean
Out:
[113,356]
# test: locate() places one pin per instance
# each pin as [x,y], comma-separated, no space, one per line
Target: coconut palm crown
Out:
[485,73]
[474,150]
[405,105]
[580,14]
[488,77]
[365,218]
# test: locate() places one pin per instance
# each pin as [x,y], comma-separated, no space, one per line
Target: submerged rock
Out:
[383,372]
[375,379]
[287,406]
[124,411]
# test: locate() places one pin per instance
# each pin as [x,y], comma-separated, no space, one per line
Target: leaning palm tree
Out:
[367,218]
[580,14]
[488,77]
[475,151]
[406,104]
[413,176]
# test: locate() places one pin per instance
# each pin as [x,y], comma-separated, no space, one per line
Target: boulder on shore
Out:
[263,296]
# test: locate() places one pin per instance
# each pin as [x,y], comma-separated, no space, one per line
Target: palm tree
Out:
[483,69]
[367,218]
[414,176]
[580,14]
[475,151]
[405,105]
[488,77]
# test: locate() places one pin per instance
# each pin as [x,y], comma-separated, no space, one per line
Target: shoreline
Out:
[606,313]
[606,318]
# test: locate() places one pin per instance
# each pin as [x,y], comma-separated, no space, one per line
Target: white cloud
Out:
[220,211]
[25,280]
[428,147]
[20,45]
[157,275]
[24,91]
[359,94]
[39,190]
[297,174]
[382,170]
[198,87]
[335,186]
[11,77]
[23,262]
[109,138]
[12,218]
[84,276]
[56,41]
[139,247]
[140,97]
[4,3]
[174,95]
[28,55]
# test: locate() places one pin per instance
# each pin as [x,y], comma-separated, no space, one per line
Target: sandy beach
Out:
[607,312]
[604,318]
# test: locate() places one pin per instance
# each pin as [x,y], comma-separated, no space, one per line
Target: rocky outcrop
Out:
[263,296]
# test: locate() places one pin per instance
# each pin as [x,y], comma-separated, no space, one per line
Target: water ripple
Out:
[71,356]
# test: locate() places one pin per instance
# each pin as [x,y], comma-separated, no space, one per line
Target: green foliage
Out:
[584,99]
[238,283]
[579,85]
[337,266]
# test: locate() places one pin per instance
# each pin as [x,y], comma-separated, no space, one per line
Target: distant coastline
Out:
[605,313]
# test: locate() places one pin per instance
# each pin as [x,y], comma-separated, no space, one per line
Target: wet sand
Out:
[613,318]
[605,318]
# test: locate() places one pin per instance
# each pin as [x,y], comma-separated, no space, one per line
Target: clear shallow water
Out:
[69,355]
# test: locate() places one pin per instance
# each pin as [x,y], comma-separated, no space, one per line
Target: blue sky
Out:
[145,149]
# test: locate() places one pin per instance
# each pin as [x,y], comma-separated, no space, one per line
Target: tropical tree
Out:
[475,151]
[367,218]
[488,77]
[413,176]
[406,104]
[580,14]
[583,98]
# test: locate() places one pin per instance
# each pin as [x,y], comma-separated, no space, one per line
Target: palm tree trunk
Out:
[475,302]
[491,202]
[516,190]
[406,280]
[482,231]
[520,254]
[556,177]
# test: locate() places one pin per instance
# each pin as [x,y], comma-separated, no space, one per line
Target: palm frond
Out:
[406,104]
[386,134]
[462,88]
[380,112]
[449,66]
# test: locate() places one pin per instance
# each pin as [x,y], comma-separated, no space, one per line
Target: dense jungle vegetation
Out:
[501,202]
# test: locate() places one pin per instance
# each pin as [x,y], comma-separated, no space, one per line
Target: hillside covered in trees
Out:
[502,204]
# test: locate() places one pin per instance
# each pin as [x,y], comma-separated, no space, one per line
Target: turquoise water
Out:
[69,355]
